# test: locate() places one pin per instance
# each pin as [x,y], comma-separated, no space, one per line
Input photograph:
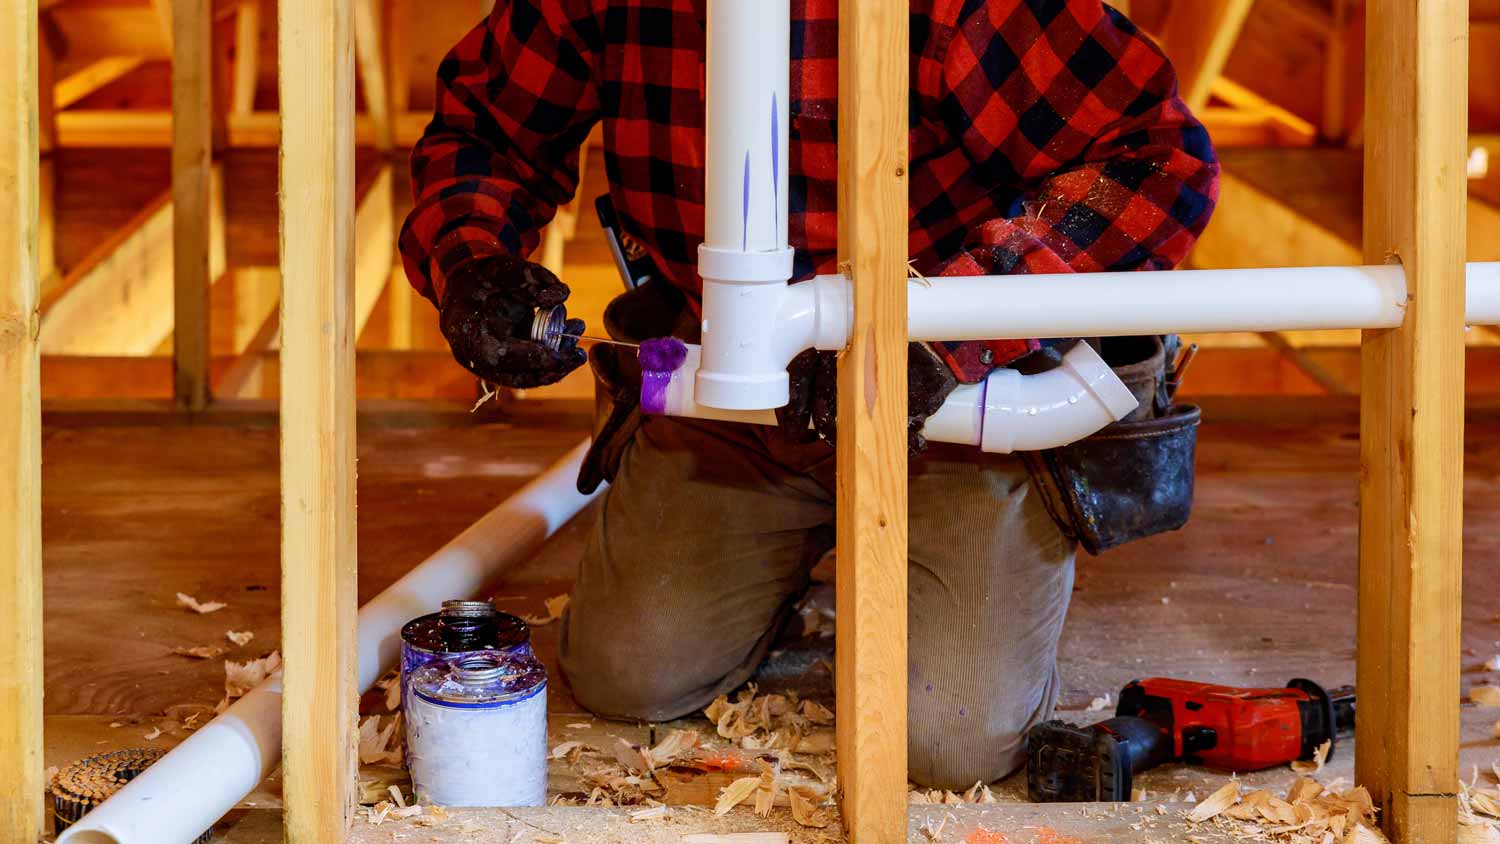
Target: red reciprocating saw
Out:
[1160,720]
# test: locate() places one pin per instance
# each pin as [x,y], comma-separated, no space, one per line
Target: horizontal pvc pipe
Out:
[1482,300]
[1006,412]
[1185,301]
[203,778]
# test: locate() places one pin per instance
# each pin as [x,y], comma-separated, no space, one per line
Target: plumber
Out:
[1046,136]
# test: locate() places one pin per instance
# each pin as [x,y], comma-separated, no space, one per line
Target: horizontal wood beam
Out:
[1198,37]
[119,299]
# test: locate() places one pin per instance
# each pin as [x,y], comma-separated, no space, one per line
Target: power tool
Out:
[1160,720]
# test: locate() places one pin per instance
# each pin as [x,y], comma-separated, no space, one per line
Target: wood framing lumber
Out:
[872,483]
[93,76]
[369,52]
[372,270]
[21,781]
[1252,228]
[119,299]
[192,198]
[47,104]
[1411,411]
[318,562]
[1198,36]
[246,57]
[1309,367]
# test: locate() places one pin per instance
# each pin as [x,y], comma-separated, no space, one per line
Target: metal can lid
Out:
[468,609]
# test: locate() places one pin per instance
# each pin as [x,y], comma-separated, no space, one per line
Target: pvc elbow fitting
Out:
[1012,412]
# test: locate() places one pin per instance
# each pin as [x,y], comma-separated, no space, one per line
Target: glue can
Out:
[460,627]
[476,730]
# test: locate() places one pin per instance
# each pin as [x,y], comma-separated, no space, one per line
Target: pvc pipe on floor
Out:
[199,781]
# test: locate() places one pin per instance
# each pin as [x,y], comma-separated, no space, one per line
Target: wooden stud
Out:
[246,57]
[192,198]
[398,55]
[871,660]
[1199,36]
[318,564]
[370,53]
[20,430]
[1411,408]
[1336,76]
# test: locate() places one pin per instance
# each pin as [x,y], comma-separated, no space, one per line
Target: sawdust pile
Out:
[1312,813]
[780,745]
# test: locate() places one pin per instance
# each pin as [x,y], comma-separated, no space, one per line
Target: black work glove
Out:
[486,318]
[815,395]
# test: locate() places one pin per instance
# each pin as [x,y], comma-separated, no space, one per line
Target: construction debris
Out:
[200,607]
[201,651]
[1485,695]
[1315,764]
[555,606]
[1310,814]
[239,638]
[241,677]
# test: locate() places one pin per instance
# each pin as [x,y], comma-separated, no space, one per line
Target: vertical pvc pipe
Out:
[748,80]
[744,260]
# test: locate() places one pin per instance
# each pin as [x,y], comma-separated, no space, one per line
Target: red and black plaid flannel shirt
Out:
[1046,137]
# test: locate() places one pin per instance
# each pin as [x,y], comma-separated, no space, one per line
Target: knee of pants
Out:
[629,673]
[956,750]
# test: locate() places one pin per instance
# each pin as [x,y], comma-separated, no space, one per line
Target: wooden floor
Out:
[1259,589]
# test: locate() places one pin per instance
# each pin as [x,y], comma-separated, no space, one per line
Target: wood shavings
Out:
[241,677]
[670,749]
[932,830]
[655,813]
[397,796]
[555,606]
[736,793]
[806,810]
[1485,695]
[375,742]
[736,838]
[376,815]
[1217,802]
[433,816]
[547,838]
[566,749]
[200,607]
[1099,704]
[817,713]
[154,734]
[1315,764]
[490,391]
[240,638]
[201,651]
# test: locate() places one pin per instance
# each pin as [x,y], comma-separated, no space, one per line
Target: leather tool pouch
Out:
[656,309]
[1134,478]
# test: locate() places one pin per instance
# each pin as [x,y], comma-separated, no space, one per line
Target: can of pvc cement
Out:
[460,627]
[476,730]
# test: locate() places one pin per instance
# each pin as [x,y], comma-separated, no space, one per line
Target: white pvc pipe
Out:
[1006,412]
[1185,301]
[199,781]
[1482,300]
[744,261]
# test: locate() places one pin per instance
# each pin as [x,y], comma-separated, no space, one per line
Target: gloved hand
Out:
[486,318]
[815,395]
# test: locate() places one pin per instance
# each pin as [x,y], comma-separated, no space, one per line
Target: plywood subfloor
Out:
[1259,589]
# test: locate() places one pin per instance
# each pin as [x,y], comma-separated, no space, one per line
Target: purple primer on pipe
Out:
[775,166]
[660,359]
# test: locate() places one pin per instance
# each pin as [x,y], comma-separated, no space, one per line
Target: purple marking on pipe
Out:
[775,165]
[660,359]
[745,211]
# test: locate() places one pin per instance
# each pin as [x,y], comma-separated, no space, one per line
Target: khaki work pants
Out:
[702,550]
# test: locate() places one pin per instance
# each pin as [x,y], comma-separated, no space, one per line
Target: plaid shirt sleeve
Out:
[516,98]
[1071,101]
